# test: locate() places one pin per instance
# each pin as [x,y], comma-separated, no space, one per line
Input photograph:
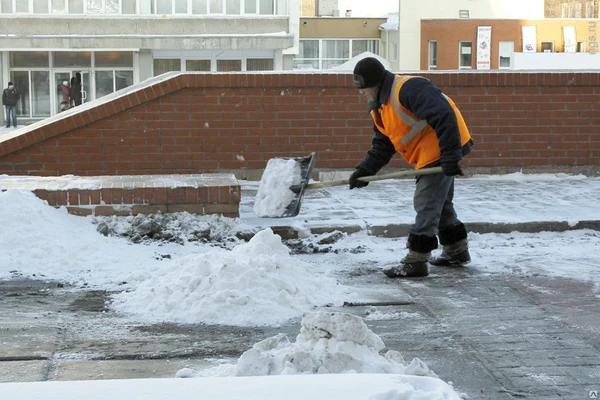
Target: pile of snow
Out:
[328,343]
[274,194]
[256,283]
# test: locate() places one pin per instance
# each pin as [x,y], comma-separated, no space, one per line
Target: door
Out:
[63,75]
[86,87]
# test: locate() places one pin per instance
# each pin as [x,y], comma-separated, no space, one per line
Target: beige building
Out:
[111,44]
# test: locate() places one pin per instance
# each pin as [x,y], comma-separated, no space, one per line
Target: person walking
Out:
[413,117]
[10,99]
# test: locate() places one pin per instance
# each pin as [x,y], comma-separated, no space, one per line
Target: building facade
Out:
[328,42]
[110,44]
[412,12]
[462,44]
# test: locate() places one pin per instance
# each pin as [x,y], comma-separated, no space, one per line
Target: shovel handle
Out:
[400,174]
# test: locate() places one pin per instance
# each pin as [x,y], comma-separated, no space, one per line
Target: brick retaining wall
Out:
[186,123]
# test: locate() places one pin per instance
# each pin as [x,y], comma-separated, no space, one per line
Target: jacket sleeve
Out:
[426,101]
[382,151]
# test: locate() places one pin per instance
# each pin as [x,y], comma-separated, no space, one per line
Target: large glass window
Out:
[40,94]
[21,81]
[335,52]
[328,53]
[465,55]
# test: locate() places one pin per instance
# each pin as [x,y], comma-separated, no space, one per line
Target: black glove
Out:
[451,169]
[353,180]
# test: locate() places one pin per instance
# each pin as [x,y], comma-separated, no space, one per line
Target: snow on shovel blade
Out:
[282,186]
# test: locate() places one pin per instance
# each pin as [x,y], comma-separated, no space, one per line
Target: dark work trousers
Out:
[433,204]
[11,114]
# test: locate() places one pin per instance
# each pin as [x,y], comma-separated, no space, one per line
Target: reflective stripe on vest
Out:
[417,125]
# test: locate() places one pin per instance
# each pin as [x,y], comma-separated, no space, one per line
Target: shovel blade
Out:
[306,165]
[276,200]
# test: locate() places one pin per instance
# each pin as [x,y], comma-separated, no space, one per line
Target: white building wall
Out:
[412,11]
[555,61]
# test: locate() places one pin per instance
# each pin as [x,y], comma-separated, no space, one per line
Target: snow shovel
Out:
[292,208]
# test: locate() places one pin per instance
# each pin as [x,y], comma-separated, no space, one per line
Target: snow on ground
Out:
[200,269]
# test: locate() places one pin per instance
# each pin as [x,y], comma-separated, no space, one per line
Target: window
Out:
[360,46]
[259,64]
[70,59]
[432,55]
[506,50]
[113,59]
[40,6]
[197,65]
[328,53]
[578,10]
[547,47]
[7,6]
[581,47]
[229,65]
[589,9]
[564,10]
[75,6]
[465,55]
[165,65]
[463,13]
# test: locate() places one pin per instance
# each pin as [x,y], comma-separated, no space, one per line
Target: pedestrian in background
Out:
[10,99]
[65,91]
[75,92]
[414,118]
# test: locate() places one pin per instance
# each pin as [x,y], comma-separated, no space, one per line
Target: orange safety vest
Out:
[413,138]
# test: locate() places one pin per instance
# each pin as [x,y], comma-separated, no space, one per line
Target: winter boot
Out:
[453,255]
[413,265]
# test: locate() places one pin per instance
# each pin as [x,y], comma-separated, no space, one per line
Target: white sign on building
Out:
[484,40]
[529,39]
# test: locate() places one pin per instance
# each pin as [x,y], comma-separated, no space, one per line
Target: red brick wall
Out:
[194,123]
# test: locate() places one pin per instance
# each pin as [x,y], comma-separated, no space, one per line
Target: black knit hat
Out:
[368,72]
[10,84]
